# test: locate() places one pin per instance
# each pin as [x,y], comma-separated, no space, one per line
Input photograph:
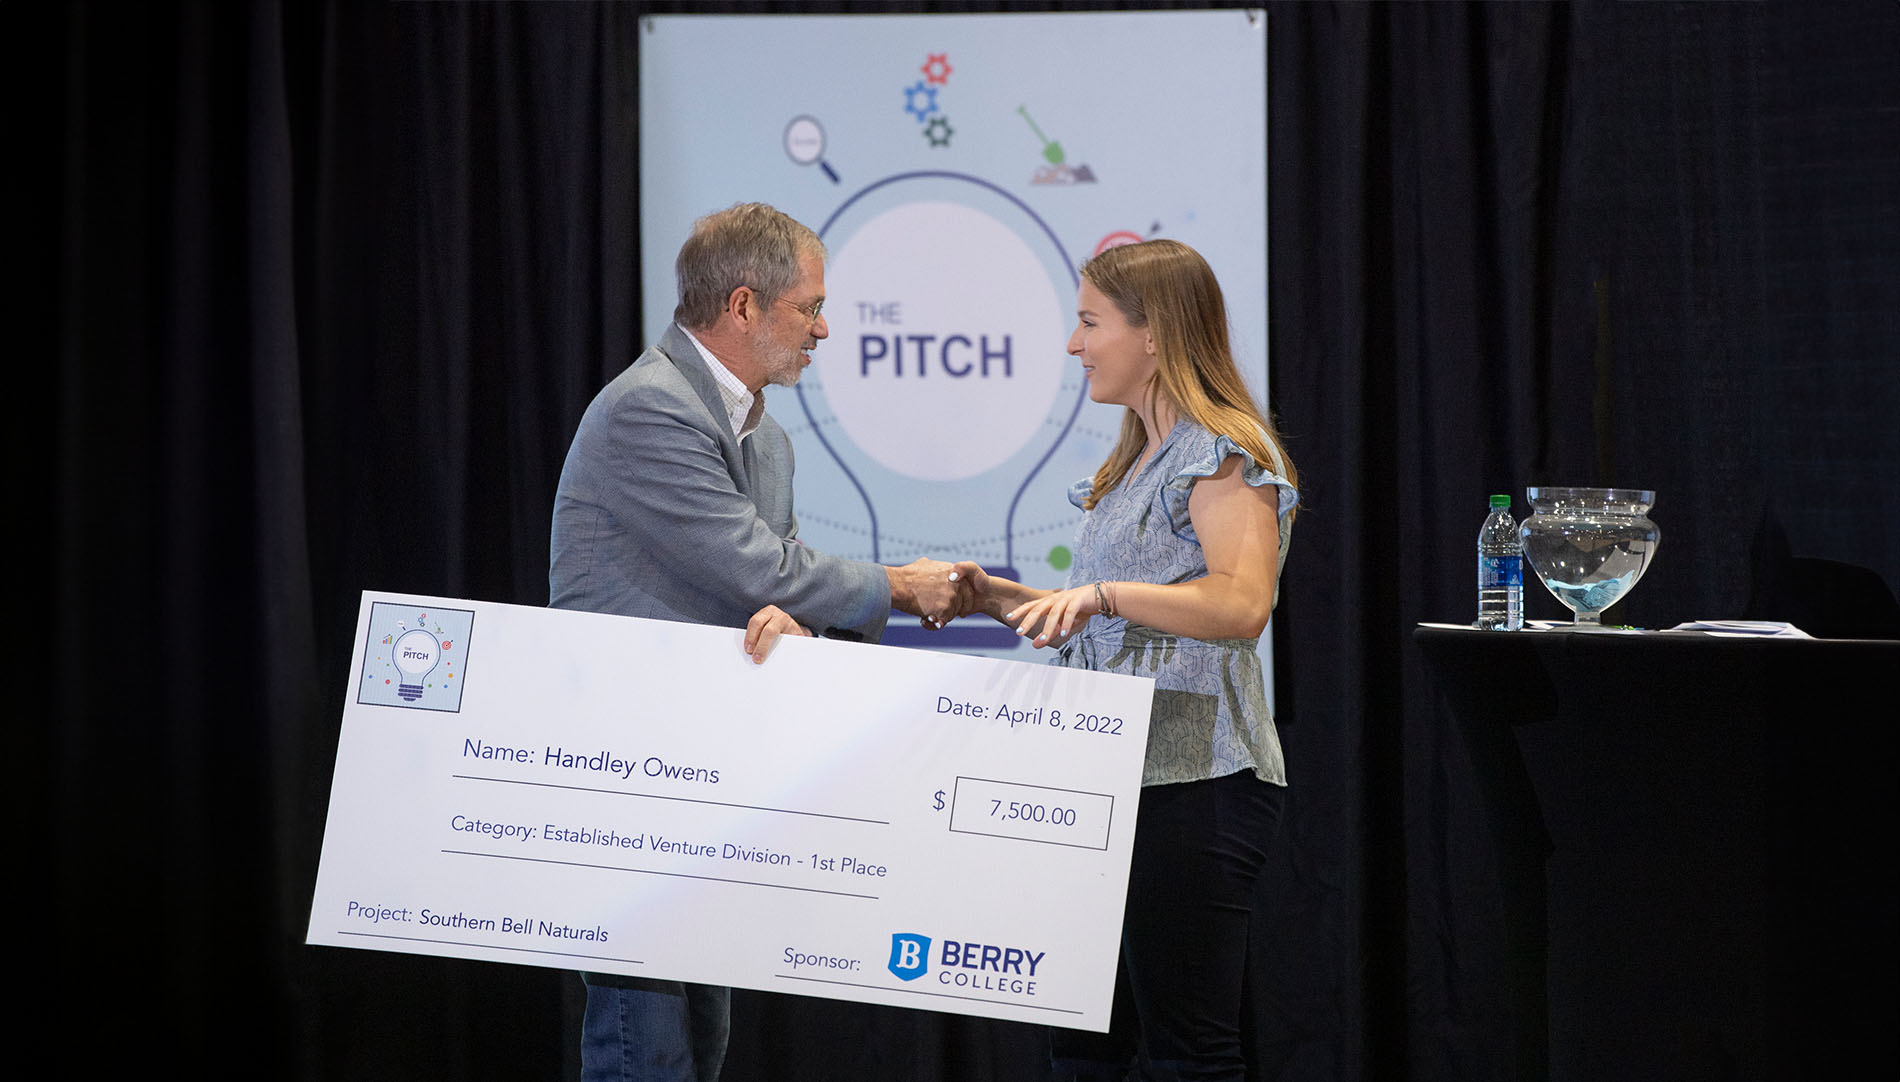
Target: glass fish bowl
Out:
[1589,546]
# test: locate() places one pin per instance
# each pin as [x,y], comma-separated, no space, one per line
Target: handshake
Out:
[939,592]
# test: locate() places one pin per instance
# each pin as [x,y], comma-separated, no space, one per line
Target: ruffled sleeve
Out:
[1080,491]
[1201,459]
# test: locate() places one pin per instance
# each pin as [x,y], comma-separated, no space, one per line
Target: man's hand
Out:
[924,588]
[764,629]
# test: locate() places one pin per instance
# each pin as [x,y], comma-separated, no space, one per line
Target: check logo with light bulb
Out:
[415,656]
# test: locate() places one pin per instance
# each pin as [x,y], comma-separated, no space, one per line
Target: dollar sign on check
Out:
[940,800]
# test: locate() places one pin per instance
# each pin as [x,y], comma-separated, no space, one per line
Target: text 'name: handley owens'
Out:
[600,762]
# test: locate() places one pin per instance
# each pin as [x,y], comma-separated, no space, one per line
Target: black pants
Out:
[1199,847]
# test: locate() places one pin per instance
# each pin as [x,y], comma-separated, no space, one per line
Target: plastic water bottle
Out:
[1500,571]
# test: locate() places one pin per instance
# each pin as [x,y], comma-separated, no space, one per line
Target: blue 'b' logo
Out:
[910,955]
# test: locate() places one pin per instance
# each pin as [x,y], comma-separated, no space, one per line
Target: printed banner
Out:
[959,169]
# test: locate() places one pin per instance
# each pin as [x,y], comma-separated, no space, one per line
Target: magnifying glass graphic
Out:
[805,144]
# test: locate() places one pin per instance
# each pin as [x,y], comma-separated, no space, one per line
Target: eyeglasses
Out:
[810,312]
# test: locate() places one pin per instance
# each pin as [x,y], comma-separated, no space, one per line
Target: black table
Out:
[1695,842]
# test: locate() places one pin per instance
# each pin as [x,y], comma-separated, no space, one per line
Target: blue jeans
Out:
[637,1030]
[1199,848]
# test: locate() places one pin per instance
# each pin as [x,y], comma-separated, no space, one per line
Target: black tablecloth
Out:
[1695,840]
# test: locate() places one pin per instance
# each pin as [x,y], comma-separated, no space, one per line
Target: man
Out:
[676,503]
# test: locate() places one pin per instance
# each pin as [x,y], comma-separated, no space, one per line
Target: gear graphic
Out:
[939,131]
[937,69]
[910,100]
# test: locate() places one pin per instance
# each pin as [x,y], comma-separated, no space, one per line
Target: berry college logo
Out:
[910,955]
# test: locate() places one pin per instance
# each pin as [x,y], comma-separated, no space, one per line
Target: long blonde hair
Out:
[1166,287]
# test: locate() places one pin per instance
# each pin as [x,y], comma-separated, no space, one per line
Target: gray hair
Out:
[747,244]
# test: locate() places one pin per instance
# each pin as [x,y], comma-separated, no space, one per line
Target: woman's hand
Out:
[765,628]
[978,595]
[1054,618]
[993,597]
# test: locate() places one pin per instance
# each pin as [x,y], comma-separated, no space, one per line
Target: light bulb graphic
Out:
[416,654]
[947,418]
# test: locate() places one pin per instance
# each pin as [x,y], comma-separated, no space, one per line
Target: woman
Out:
[1176,562]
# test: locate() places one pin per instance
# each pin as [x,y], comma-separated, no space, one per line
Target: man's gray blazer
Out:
[662,513]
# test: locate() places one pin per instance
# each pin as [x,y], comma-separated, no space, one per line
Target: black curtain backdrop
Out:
[322,289]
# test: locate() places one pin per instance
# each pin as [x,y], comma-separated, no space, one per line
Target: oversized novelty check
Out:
[859,822]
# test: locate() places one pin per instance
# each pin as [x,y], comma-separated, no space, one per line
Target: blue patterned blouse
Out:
[1210,716]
